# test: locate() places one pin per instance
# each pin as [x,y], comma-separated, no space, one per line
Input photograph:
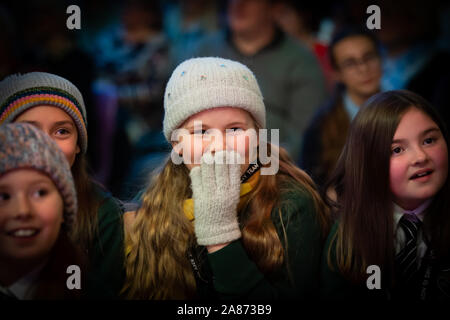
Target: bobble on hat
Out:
[204,83]
[20,92]
[24,146]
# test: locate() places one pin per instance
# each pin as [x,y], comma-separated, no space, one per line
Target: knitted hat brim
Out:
[81,129]
[20,92]
[210,98]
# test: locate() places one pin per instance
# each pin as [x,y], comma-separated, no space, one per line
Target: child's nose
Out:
[419,156]
[22,208]
[218,143]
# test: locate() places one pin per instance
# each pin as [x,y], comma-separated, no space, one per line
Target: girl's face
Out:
[57,124]
[31,214]
[419,160]
[232,130]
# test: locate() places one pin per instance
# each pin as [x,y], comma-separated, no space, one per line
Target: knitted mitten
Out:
[216,188]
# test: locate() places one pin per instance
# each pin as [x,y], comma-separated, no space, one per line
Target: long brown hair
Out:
[364,203]
[86,223]
[332,137]
[157,267]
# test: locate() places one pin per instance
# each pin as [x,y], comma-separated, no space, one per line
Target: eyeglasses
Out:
[351,65]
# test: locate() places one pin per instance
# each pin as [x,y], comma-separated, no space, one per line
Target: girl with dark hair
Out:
[390,192]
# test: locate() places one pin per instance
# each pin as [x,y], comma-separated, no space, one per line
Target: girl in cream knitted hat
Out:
[213,226]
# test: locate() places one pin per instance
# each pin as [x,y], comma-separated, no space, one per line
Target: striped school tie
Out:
[406,259]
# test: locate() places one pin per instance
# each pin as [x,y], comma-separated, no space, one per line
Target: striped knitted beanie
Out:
[204,83]
[24,146]
[20,92]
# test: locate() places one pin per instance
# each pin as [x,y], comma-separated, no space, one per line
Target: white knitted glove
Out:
[216,189]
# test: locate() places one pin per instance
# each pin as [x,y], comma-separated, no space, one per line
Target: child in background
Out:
[38,206]
[355,58]
[391,193]
[212,228]
[56,106]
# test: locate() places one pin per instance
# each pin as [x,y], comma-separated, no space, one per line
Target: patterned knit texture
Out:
[19,93]
[204,83]
[24,146]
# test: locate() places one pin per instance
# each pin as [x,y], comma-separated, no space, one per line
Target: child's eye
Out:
[4,196]
[62,131]
[397,150]
[199,132]
[429,140]
[235,130]
[41,192]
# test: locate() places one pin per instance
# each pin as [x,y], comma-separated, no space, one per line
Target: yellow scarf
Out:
[246,187]
[188,204]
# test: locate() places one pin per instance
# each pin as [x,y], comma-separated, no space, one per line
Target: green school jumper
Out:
[106,257]
[233,275]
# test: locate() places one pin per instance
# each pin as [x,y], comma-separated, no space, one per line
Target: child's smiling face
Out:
[419,160]
[31,214]
[232,126]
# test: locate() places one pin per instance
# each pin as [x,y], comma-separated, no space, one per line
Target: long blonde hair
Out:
[157,266]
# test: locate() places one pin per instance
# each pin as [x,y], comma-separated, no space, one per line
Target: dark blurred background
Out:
[125,51]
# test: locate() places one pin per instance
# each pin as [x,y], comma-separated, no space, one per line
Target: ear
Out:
[78,149]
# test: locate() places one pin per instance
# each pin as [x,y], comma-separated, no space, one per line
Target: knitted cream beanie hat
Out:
[204,83]
[22,145]
[20,92]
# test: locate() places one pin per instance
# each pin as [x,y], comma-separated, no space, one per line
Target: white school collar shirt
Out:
[419,212]
[23,288]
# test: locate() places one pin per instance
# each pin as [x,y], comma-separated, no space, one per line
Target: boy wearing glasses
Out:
[355,58]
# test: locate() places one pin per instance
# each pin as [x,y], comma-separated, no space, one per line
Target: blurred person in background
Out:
[134,64]
[301,20]
[355,58]
[412,59]
[188,22]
